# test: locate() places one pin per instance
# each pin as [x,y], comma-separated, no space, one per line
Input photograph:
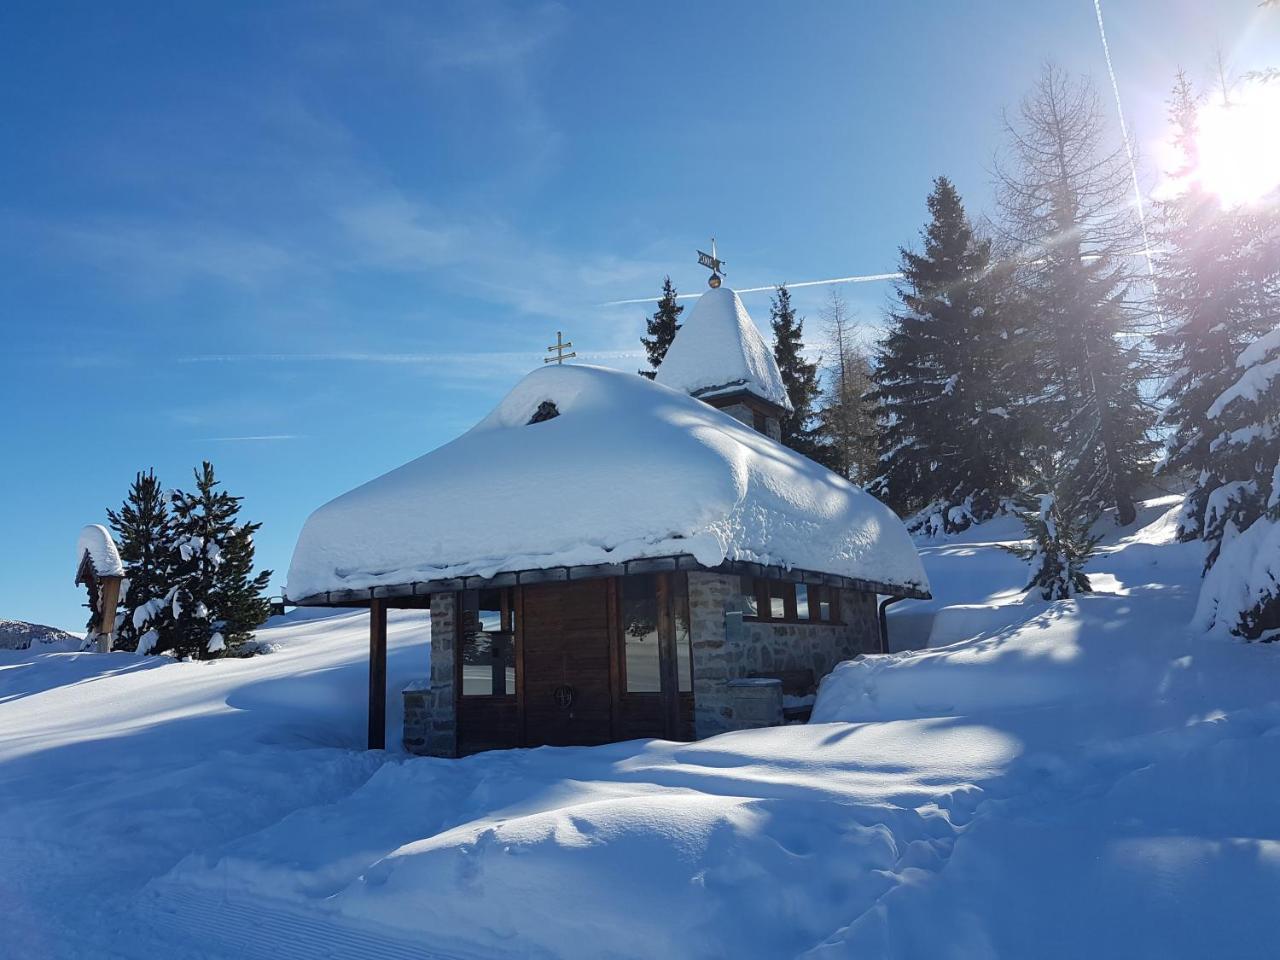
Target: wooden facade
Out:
[569,662]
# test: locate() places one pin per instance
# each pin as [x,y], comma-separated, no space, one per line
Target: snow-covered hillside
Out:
[1083,778]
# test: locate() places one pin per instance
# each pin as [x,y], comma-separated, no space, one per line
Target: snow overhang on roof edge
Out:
[422,589]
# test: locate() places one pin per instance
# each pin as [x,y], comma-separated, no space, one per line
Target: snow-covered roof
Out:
[719,350]
[627,470]
[95,540]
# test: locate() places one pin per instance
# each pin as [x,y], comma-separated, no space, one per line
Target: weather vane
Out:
[559,348]
[712,263]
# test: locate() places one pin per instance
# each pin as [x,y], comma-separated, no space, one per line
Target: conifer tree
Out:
[144,533]
[1065,204]
[1209,299]
[1241,592]
[799,376]
[945,385]
[661,327]
[1059,525]
[214,602]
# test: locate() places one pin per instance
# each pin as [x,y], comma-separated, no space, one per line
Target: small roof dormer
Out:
[719,356]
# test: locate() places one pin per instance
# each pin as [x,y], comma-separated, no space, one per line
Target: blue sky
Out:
[311,241]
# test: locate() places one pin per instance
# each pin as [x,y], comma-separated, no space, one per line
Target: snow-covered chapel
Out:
[607,557]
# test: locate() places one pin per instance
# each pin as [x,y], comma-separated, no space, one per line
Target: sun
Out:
[1238,145]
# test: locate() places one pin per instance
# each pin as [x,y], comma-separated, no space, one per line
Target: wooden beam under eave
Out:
[377,674]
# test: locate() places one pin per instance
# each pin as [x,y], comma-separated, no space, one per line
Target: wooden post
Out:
[109,598]
[668,672]
[377,674]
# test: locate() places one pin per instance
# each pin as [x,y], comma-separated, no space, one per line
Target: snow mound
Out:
[625,469]
[719,350]
[95,540]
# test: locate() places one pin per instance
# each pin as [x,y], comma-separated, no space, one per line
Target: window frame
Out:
[507,607]
[818,593]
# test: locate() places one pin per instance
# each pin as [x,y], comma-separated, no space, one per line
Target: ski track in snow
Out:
[1071,779]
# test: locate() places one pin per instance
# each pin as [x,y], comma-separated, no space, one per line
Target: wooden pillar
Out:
[377,674]
[668,672]
[110,598]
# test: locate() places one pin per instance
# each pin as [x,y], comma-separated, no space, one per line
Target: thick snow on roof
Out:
[628,469]
[719,350]
[96,541]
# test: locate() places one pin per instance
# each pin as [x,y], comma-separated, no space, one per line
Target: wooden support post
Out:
[377,674]
[668,671]
[110,598]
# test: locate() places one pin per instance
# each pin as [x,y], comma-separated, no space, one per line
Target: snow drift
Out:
[625,469]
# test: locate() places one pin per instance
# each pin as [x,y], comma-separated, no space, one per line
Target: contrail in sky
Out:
[1128,148]
[866,278]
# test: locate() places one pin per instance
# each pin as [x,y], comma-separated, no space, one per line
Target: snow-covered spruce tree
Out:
[238,597]
[1241,591]
[1065,206]
[144,533]
[799,376]
[1059,526]
[214,603]
[1212,298]
[846,418]
[661,327]
[946,390]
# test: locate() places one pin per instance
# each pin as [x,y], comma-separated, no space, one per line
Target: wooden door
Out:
[564,659]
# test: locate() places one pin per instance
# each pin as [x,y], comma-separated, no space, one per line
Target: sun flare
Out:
[1238,144]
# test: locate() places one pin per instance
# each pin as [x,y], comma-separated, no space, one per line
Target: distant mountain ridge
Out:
[20,635]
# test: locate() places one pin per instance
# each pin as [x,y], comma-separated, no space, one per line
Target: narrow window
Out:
[640,633]
[802,601]
[761,422]
[782,598]
[488,643]
[750,602]
[831,604]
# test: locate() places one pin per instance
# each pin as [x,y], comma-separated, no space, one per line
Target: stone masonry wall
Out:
[725,647]
[430,725]
[742,412]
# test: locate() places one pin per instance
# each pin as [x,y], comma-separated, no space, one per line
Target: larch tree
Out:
[1066,208]
[947,397]
[847,419]
[144,532]
[662,328]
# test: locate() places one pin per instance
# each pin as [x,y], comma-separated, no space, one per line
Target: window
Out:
[760,421]
[488,643]
[647,657]
[546,411]
[640,633]
[782,600]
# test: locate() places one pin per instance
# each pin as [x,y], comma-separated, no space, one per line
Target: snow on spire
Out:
[719,350]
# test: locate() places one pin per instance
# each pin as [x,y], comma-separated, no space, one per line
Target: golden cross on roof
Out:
[713,263]
[559,348]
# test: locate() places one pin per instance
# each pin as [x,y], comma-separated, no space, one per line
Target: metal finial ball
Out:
[713,281]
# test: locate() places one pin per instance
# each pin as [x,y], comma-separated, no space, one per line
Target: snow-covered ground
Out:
[1083,778]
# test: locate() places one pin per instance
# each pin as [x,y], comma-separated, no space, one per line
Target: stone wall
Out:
[430,725]
[727,647]
[742,412]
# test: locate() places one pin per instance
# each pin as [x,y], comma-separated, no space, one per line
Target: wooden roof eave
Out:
[418,593]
